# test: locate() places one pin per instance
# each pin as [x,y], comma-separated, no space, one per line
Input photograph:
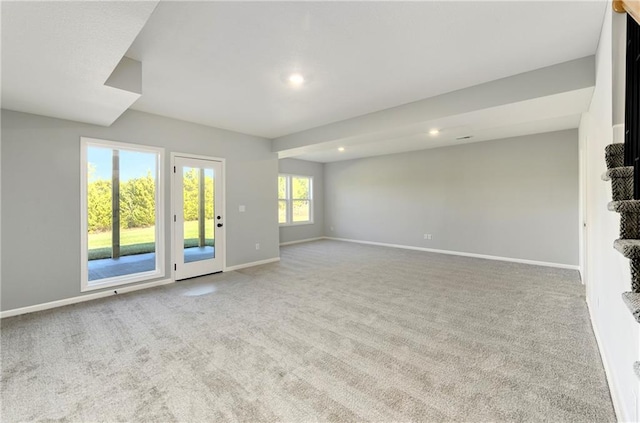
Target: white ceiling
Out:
[56,57]
[222,63]
[423,141]
[543,100]
[544,114]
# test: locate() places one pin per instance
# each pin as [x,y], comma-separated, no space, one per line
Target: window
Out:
[295,199]
[122,225]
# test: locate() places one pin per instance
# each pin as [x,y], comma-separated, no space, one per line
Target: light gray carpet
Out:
[334,332]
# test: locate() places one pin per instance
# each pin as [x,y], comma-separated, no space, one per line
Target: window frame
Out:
[289,200]
[159,272]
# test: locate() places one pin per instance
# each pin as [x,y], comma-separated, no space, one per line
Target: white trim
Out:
[583,141]
[459,253]
[615,396]
[196,156]
[159,271]
[84,220]
[286,225]
[123,280]
[81,298]
[254,263]
[618,133]
[300,241]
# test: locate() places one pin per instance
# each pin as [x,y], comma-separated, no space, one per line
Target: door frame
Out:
[583,206]
[223,253]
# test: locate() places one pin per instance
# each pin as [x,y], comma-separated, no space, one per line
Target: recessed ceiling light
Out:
[434,132]
[296,79]
[340,148]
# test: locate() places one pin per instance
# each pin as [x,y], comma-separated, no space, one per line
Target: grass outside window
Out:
[142,240]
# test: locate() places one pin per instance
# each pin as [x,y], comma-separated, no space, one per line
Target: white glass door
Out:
[198,217]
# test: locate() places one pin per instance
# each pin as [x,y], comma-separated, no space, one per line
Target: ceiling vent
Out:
[466,137]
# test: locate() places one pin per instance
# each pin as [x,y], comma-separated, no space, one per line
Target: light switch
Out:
[241,209]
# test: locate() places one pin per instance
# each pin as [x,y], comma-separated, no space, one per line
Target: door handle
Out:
[219,225]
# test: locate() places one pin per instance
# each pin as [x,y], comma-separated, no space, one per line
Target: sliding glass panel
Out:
[99,202]
[121,212]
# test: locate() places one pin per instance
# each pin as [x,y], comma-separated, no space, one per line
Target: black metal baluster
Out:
[635,112]
[632,103]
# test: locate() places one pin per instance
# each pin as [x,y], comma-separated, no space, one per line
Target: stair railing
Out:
[632,7]
[632,104]
[632,90]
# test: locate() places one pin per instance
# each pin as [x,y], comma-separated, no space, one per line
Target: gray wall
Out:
[514,198]
[41,196]
[316,170]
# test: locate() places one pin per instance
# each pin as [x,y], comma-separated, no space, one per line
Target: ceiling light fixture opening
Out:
[434,132]
[341,149]
[296,79]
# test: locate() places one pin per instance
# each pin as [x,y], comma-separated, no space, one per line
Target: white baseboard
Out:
[108,292]
[459,253]
[254,263]
[300,241]
[82,298]
[615,396]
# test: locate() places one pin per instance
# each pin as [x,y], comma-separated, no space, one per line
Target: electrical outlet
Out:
[257,245]
[331,228]
[427,236]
